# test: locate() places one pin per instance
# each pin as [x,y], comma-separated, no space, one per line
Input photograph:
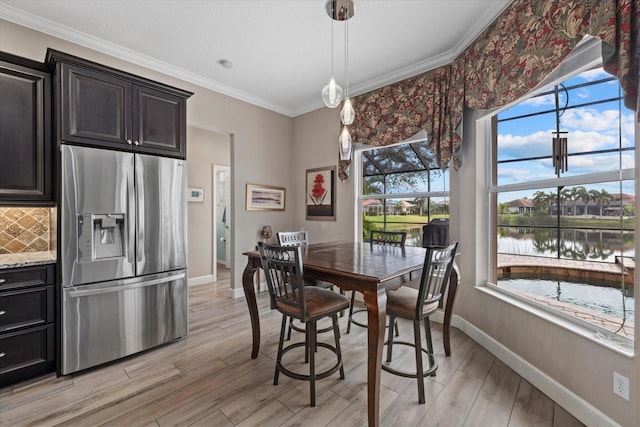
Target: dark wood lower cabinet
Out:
[27,323]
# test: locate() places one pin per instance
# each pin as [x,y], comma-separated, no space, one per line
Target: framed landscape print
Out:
[320,194]
[265,198]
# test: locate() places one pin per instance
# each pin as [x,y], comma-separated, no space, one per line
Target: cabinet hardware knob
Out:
[3,280]
[136,142]
[2,312]
[3,354]
[129,142]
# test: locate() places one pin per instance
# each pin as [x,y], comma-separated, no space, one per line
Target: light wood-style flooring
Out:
[209,379]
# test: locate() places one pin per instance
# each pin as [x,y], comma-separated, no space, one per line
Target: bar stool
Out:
[417,305]
[284,273]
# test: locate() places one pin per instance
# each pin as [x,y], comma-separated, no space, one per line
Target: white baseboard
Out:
[236,293]
[574,404]
[202,280]
[239,292]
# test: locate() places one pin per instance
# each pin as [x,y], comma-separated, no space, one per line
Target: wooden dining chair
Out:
[301,238]
[417,305]
[284,273]
[378,237]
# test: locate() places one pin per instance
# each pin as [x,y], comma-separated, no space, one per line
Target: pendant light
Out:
[332,92]
[347,115]
[342,10]
[344,144]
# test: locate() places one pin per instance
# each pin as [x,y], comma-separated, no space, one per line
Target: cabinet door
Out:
[25,134]
[96,108]
[159,122]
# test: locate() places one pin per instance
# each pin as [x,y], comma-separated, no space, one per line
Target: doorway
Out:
[221,218]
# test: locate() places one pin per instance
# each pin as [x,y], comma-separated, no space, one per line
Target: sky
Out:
[594,127]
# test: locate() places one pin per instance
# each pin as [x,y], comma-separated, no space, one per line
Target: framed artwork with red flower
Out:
[320,194]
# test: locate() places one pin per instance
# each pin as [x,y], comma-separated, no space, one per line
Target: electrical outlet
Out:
[621,385]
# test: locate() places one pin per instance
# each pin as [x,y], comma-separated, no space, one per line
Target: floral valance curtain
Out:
[517,51]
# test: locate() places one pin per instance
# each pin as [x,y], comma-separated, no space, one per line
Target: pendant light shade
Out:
[347,115]
[332,94]
[345,144]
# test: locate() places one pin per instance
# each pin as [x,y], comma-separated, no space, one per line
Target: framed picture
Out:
[195,195]
[265,198]
[320,194]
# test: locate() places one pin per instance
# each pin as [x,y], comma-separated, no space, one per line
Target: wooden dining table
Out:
[360,267]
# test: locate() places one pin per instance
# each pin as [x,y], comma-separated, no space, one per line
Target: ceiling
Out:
[281,50]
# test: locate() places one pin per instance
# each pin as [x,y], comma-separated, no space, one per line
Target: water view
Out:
[606,300]
[576,244]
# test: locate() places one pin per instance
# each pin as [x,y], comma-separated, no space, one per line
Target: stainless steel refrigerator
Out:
[123,254]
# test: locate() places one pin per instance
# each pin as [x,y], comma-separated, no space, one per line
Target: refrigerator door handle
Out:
[75,292]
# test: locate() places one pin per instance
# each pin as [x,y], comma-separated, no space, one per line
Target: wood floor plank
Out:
[478,362]
[214,419]
[531,408]
[492,406]
[273,414]
[328,407]
[561,418]
[452,405]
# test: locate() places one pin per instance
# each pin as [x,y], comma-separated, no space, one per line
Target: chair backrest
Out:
[392,238]
[436,272]
[282,267]
[290,238]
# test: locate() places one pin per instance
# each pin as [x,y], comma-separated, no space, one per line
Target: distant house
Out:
[376,207]
[520,206]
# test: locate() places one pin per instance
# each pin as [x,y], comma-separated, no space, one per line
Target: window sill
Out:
[616,343]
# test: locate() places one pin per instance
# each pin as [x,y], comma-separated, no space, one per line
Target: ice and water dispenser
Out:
[101,236]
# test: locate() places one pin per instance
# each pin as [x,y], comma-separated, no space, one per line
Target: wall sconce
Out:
[266,232]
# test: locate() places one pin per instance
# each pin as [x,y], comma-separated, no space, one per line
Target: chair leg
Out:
[353,299]
[311,327]
[392,321]
[432,356]
[336,335]
[419,370]
[279,355]
[289,332]
[395,326]
[307,342]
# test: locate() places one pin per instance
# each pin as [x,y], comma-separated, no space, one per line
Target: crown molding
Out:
[46,26]
[31,21]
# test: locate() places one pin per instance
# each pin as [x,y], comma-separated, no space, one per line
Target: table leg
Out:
[250,295]
[376,303]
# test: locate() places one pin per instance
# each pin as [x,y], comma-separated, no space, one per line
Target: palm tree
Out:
[542,201]
[580,194]
[594,196]
[565,196]
[605,199]
[421,203]
[576,193]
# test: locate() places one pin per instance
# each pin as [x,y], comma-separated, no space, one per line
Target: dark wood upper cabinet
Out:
[101,106]
[25,132]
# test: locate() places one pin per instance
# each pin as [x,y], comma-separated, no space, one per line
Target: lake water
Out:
[602,299]
[586,245]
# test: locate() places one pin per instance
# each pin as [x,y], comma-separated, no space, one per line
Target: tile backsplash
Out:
[26,230]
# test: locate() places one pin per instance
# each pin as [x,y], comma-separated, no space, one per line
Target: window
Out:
[563,194]
[402,189]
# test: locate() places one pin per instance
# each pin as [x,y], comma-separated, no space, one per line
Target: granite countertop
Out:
[27,258]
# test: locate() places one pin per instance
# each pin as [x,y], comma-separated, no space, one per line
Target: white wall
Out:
[315,144]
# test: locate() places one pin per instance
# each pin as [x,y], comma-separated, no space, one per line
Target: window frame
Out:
[585,59]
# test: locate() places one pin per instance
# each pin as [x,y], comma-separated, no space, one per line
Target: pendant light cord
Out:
[346,58]
[332,48]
